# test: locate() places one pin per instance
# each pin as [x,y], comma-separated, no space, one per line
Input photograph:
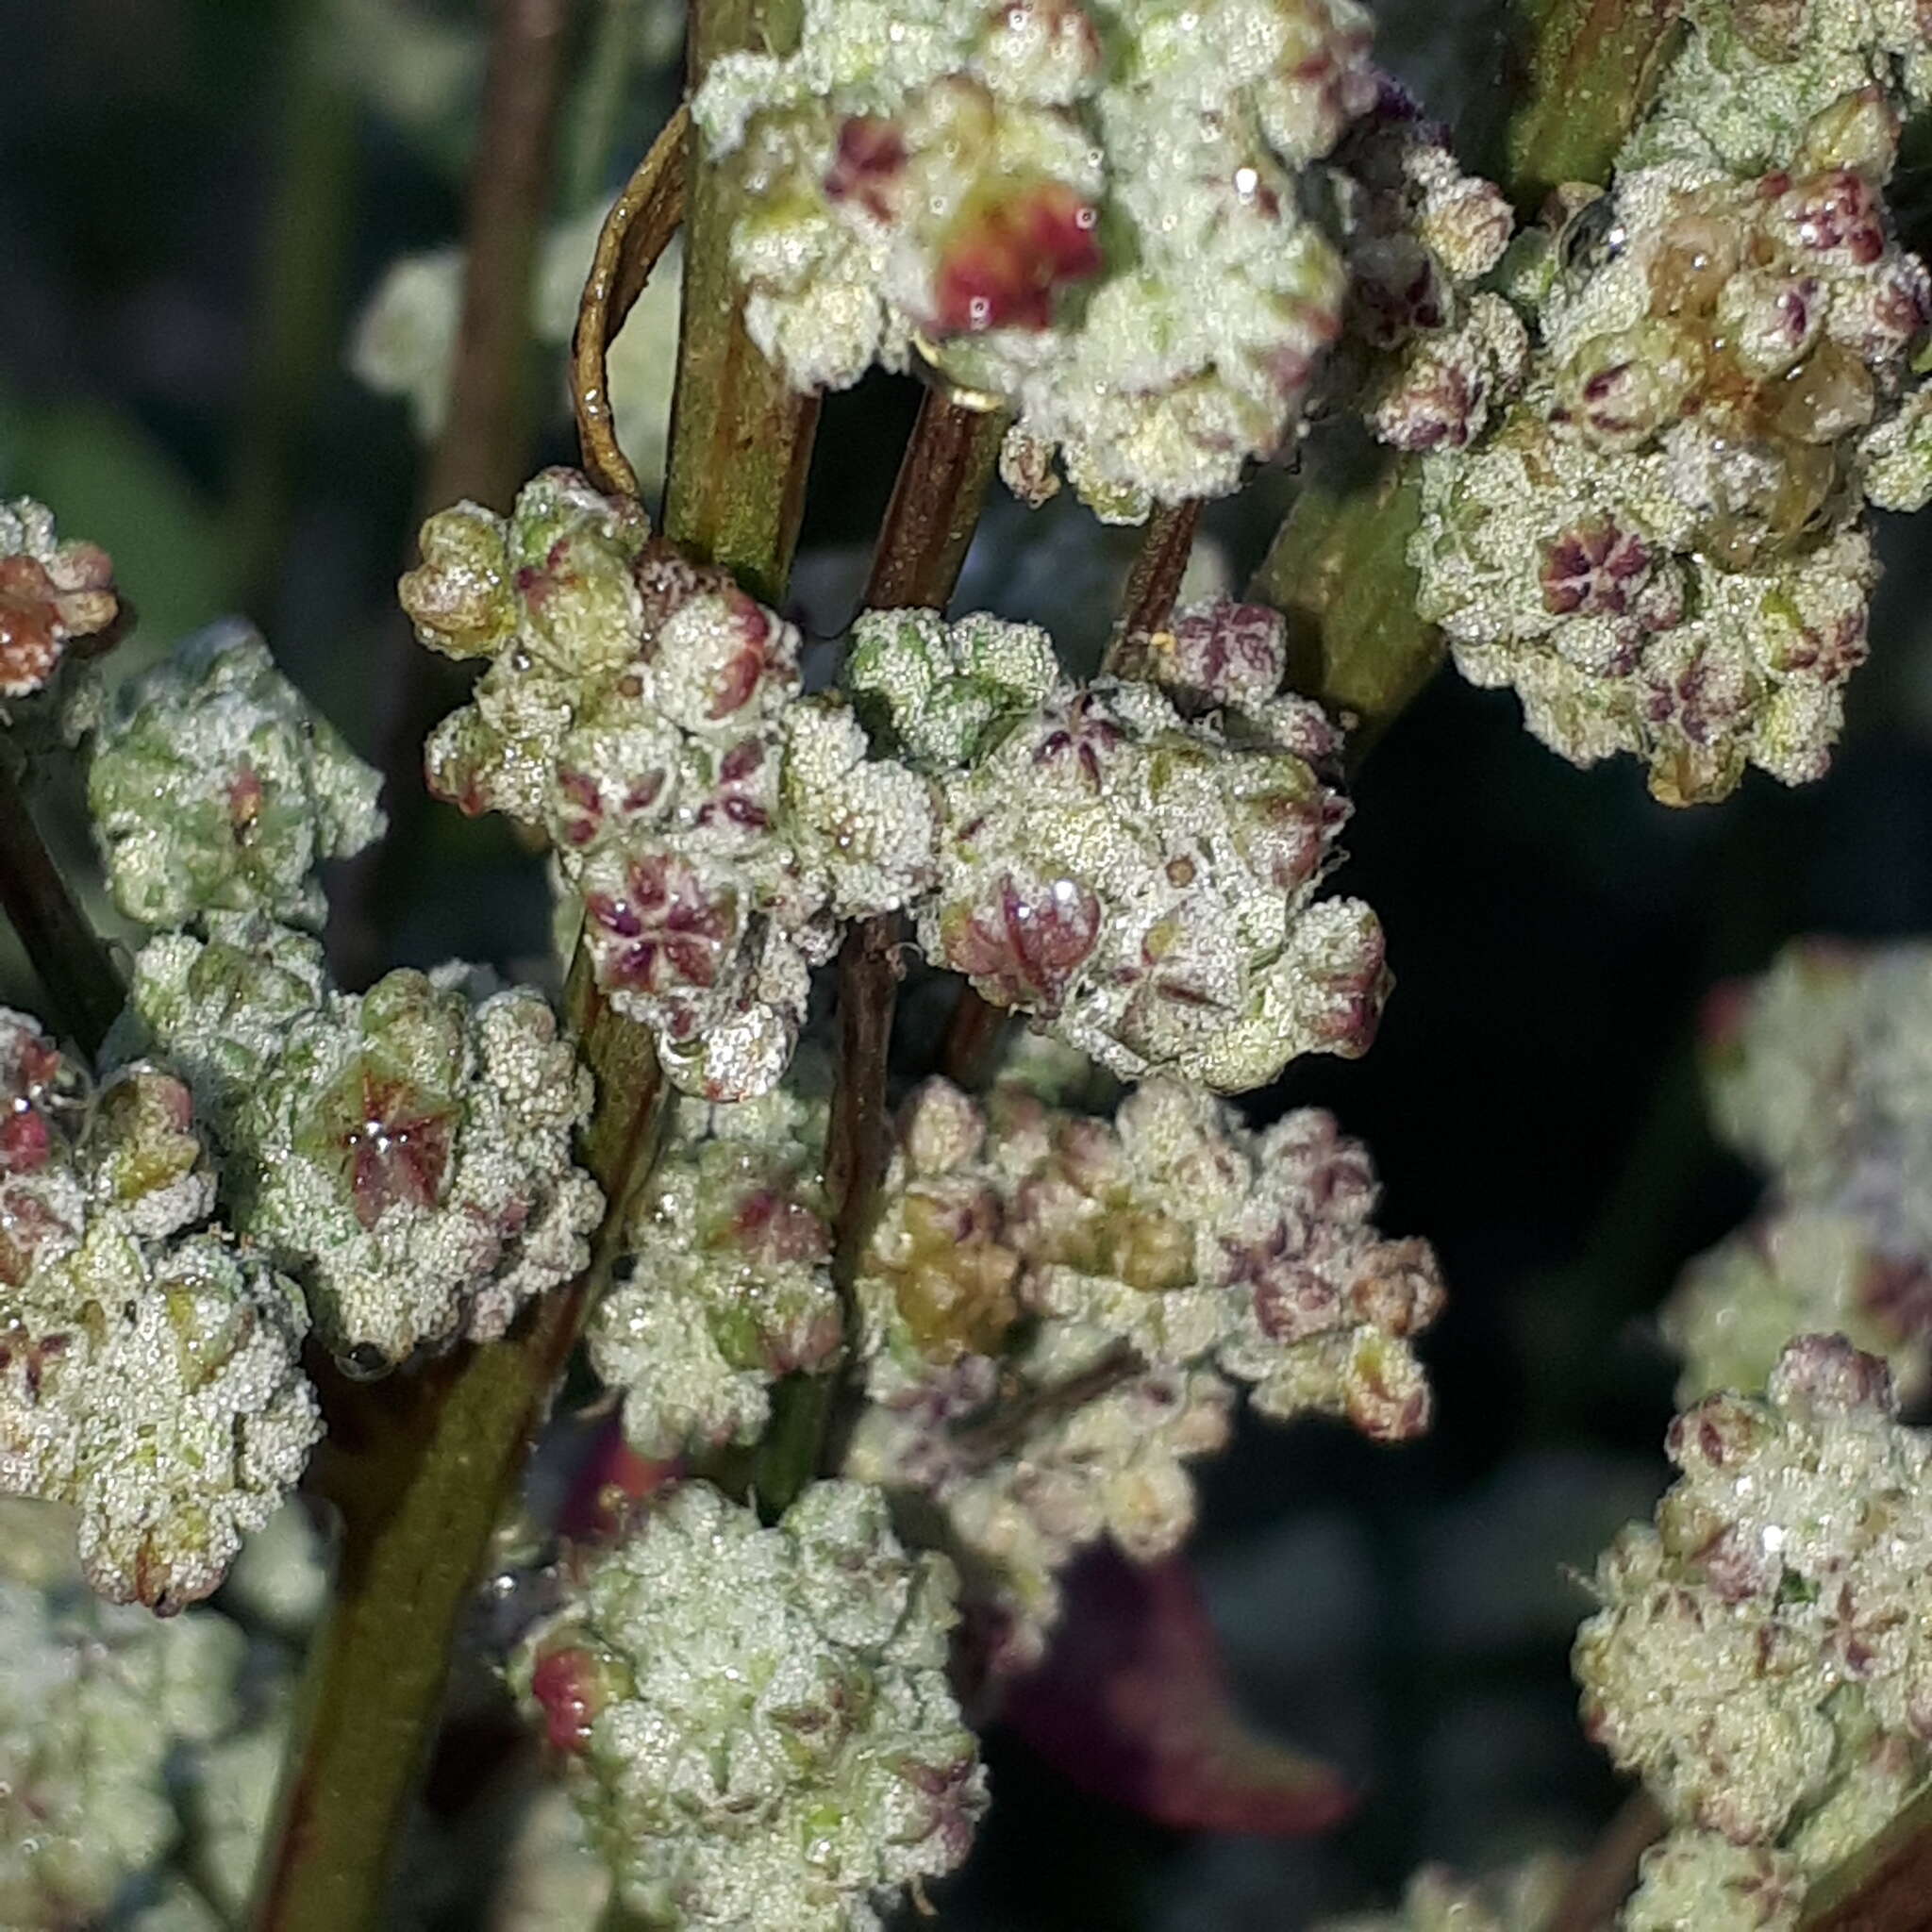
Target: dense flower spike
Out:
[216,787]
[758,1722]
[1436,1900]
[1761,1656]
[403,1152]
[646,716]
[52,595]
[1034,199]
[726,1285]
[1141,880]
[149,1376]
[1817,1072]
[1661,545]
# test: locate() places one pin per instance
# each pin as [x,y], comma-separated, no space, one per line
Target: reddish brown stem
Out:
[484,447]
[1605,1878]
[935,503]
[941,485]
[1155,580]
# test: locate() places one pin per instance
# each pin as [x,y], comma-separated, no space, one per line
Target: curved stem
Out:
[936,499]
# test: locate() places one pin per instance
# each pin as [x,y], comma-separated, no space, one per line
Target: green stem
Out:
[82,983]
[740,438]
[422,1469]
[1884,1887]
[299,320]
[1338,572]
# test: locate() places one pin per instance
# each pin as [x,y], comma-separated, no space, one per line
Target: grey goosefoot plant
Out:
[888,1364]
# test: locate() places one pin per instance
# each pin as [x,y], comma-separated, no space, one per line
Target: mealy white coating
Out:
[101,1709]
[1661,544]
[150,1371]
[647,715]
[1820,1071]
[1763,1653]
[405,1154]
[215,787]
[757,1721]
[1032,200]
[1141,880]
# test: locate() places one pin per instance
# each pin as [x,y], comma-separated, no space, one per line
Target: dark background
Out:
[196,197]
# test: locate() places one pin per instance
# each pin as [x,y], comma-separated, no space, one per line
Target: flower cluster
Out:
[646,714]
[404,1152]
[149,1367]
[100,1711]
[1032,200]
[1661,545]
[726,1285]
[1436,1900]
[1818,1071]
[1438,355]
[1135,866]
[1054,1306]
[758,1723]
[1760,1657]
[52,595]
[216,787]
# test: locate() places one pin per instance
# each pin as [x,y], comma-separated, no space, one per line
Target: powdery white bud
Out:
[101,1709]
[726,1285]
[407,1158]
[1820,1071]
[216,787]
[53,594]
[1795,1271]
[1214,656]
[1661,545]
[1141,882]
[1823,1067]
[758,1722]
[1443,389]
[1699,1878]
[645,714]
[1762,1655]
[934,186]
[1018,1504]
[1436,1900]
[149,1378]
[165,1403]
[221,1005]
[1053,1306]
